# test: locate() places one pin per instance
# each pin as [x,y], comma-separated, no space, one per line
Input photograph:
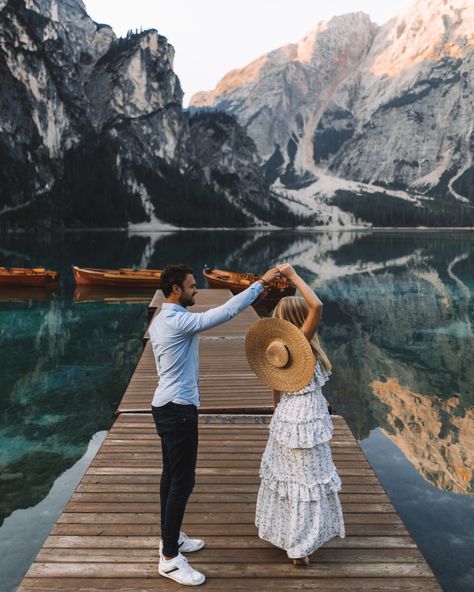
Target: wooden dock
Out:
[107,537]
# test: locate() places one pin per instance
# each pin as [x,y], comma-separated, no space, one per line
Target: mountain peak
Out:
[341,36]
[425,31]
[330,32]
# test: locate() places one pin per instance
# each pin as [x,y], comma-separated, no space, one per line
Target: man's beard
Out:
[186,301]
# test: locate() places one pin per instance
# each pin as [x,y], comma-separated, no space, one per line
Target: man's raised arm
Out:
[196,322]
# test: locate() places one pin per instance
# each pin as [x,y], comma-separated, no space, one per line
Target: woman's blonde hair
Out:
[295,310]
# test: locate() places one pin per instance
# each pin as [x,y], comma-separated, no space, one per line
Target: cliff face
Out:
[415,103]
[43,103]
[279,97]
[387,107]
[94,133]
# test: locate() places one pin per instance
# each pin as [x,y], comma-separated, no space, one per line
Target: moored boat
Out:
[117,278]
[24,276]
[237,282]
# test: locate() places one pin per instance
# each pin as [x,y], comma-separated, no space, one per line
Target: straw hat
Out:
[279,354]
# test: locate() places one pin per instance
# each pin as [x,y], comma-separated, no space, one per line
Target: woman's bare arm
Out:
[276,398]
[314,303]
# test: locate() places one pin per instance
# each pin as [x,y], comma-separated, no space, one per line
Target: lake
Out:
[397,326]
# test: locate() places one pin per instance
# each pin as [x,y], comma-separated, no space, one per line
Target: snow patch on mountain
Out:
[315,199]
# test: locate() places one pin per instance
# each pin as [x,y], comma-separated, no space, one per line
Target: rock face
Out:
[389,107]
[94,133]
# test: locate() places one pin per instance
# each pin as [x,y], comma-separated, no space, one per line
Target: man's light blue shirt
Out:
[174,336]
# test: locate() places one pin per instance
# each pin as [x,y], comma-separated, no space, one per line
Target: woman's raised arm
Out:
[314,303]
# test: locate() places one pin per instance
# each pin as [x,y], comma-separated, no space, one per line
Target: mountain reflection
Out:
[436,435]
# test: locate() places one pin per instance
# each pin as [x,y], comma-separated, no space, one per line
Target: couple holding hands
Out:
[298,507]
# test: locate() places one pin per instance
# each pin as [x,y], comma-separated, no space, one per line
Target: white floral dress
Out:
[298,508]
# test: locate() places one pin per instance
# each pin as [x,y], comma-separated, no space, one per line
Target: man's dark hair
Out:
[174,274]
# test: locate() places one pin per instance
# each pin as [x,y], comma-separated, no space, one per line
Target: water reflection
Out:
[63,371]
[24,294]
[436,435]
[112,295]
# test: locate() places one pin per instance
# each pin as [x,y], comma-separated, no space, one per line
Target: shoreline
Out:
[298,229]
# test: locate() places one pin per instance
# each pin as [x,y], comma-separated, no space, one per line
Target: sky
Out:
[212,37]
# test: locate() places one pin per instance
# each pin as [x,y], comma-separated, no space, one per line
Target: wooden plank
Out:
[233,570]
[219,555]
[210,529]
[218,542]
[293,583]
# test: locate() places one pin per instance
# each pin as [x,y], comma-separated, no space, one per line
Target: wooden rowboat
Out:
[237,282]
[117,278]
[32,277]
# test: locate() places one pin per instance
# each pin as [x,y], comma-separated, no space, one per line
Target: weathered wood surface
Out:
[107,537]
[227,384]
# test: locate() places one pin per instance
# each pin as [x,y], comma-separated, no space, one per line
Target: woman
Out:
[298,508]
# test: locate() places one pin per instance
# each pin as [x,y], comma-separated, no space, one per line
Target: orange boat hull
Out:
[19,277]
[119,278]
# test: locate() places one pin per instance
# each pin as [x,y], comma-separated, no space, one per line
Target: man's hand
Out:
[287,271]
[269,275]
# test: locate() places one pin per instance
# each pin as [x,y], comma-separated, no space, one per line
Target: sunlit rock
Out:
[387,107]
[435,434]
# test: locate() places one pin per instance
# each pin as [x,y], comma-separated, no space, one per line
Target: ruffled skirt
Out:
[298,507]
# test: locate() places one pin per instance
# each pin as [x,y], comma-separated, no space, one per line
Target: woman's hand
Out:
[287,271]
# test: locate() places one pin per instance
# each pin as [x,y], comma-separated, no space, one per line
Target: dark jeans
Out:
[177,426]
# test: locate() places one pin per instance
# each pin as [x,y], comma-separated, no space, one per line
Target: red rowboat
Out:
[117,278]
[34,277]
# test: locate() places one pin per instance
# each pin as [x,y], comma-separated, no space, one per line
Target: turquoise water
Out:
[397,325]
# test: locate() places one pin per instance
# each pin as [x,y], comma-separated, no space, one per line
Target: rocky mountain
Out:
[93,132]
[358,122]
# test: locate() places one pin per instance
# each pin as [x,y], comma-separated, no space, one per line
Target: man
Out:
[174,335]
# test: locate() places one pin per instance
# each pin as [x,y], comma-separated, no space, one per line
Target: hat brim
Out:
[299,369]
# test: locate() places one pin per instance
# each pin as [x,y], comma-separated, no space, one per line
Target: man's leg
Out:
[178,428]
[165,483]
[164,417]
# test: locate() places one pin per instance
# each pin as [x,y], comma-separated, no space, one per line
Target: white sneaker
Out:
[185,544]
[179,570]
